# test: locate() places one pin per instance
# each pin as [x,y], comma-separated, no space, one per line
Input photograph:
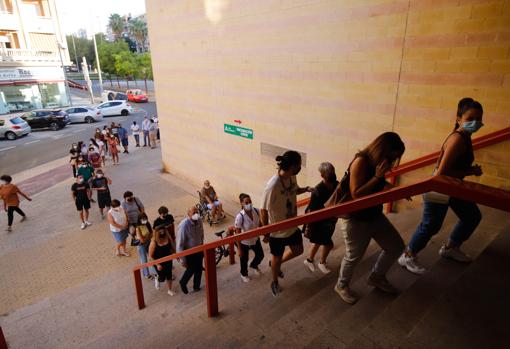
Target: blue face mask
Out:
[472,126]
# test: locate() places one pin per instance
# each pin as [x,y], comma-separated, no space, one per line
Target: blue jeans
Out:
[433,216]
[143,249]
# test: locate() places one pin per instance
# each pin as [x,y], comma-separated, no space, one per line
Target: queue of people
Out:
[364,176]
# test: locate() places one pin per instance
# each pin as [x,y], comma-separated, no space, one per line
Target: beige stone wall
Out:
[323,78]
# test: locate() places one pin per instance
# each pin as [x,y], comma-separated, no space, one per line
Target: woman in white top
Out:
[248,219]
[119,227]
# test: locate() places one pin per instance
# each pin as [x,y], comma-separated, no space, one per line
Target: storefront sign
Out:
[238,131]
[29,73]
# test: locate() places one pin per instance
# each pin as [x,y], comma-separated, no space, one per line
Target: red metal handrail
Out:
[492,197]
[478,143]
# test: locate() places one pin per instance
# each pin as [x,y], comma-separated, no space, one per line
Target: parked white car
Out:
[84,114]
[12,127]
[115,108]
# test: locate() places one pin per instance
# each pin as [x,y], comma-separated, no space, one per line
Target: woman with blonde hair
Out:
[365,177]
[161,246]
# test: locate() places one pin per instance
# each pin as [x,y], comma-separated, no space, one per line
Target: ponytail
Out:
[288,159]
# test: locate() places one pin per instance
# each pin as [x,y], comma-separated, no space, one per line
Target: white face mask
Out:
[195,216]
[143,221]
[4,182]
[247,207]
[99,175]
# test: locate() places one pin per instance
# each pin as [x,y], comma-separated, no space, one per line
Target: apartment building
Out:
[31,56]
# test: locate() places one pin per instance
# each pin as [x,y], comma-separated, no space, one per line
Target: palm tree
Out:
[138,29]
[116,24]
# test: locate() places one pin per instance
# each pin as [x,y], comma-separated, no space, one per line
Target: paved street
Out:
[40,147]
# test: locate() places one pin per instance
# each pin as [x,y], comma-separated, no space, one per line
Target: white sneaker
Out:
[454,253]
[156,283]
[171,293]
[310,265]
[83,226]
[411,264]
[324,268]
[256,271]
[88,223]
[245,278]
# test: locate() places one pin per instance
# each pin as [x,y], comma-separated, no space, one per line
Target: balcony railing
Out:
[27,55]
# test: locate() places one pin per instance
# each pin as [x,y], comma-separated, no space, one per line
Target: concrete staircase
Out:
[451,306]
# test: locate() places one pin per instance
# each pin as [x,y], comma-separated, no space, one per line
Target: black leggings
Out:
[10,213]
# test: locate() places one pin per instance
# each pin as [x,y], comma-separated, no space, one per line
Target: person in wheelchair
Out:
[210,199]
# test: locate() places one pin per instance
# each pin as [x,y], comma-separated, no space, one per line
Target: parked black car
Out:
[53,119]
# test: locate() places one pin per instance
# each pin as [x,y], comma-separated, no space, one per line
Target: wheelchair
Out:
[203,210]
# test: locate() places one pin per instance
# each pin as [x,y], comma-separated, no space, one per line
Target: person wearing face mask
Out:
[84,151]
[320,233]
[95,157]
[366,176]
[210,198]
[9,194]
[100,183]
[119,227]
[74,152]
[191,234]
[165,219]
[279,203]
[113,143]
[161,246]
[133,207]
[455,160]
[144,235]
[81,195]
[248,219]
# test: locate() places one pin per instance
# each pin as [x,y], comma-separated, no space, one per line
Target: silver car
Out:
[12,127]
[84,114]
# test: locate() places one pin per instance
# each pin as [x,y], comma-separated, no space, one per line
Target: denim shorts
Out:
[120,236]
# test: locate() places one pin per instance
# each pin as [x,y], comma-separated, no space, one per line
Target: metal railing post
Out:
[231,253]
[389,205]
[139,288]
[211,286]
[3,343]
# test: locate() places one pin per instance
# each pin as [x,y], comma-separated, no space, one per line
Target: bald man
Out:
[191,234]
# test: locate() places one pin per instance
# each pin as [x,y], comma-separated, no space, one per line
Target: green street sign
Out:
[238,131]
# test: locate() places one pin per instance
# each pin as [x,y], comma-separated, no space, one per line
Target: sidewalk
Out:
[49,253]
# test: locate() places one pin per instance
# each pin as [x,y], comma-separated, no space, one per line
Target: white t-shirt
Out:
[280,201]
[119,217]
[135,129]
[244,222]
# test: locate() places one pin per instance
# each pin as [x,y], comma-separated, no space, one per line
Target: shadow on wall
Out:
[214,9]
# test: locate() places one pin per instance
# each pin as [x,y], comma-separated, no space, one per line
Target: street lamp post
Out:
[98,67]
[75,55]
[60,48]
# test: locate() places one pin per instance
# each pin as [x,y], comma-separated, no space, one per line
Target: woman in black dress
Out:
[161,246]
[320,233]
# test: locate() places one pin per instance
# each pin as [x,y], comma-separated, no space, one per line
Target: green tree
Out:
[107,51]
[144,64]
[84,48]
[138,30]
[116,24]
[126,64]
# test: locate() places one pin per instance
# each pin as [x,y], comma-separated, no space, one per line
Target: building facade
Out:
[323,78]
[31,56]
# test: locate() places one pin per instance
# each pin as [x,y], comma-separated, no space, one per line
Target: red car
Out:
[137,96]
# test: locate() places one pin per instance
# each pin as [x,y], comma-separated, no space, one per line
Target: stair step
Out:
[398,320]
[476,304]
